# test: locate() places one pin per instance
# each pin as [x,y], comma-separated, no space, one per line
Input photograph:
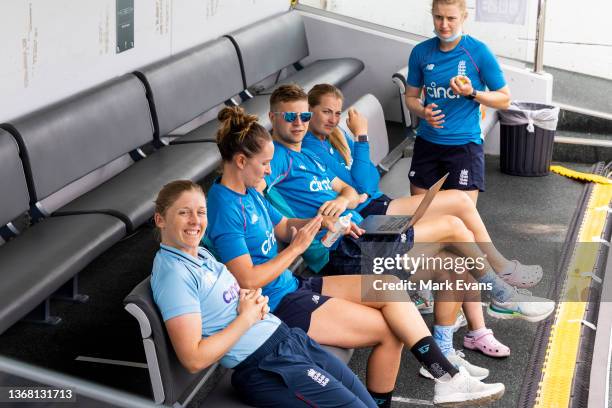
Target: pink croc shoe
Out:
[487,344]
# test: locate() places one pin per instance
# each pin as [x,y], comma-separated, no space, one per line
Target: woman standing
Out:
[455,74]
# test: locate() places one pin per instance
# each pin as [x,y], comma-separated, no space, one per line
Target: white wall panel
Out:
[52,49]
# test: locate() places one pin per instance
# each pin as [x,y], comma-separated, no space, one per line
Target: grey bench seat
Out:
[184,86]
[273,44]
[336,71]
[66,142]
[39,260]
[44,257]
[130,194]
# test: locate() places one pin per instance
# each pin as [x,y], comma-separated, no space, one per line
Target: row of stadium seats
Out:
[78,170]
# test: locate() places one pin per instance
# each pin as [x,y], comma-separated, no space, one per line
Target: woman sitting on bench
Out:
[210,318]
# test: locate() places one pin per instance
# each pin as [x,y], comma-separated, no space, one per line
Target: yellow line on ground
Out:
[560,360]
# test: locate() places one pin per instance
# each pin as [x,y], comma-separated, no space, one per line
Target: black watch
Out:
[472,96]
[362,138]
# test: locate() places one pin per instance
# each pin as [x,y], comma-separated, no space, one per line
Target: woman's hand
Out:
[354,231]
[334,207]
[302,238]
[461,85]
[432,116]
[252,305]
[357,123]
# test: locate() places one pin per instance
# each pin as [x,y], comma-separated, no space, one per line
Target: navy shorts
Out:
[290,369]
[464,163]
[377,206]
[296,308]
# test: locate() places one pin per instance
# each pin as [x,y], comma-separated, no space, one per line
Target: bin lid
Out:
[530,114]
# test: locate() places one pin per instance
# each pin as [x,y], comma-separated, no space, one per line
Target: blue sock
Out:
[500,291]
[443,335]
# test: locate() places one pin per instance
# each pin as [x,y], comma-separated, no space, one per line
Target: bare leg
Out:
[459,204]
[474,315]
[414,190]
[473,194]
[472,308]
[450,232]
[348,324]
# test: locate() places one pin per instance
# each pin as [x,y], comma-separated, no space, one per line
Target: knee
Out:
[390,342]
[463,201]
[457,229]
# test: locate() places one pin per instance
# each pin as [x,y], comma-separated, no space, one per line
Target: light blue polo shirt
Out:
[244,224]
[360,173]
[183,284]
[432,68]
[303,181]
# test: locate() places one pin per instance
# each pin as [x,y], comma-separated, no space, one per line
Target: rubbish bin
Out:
[527,134]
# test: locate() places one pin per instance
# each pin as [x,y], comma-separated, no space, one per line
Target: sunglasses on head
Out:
[292,116]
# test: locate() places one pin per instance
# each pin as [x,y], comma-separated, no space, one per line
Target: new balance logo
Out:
[424,349]
[429,67]
[302,167]
[315,299]
[411,174]
[463,177]
[254,218]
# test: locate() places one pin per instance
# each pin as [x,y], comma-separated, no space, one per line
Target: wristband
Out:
[362,138]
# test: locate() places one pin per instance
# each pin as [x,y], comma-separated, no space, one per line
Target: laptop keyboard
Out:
[393,224]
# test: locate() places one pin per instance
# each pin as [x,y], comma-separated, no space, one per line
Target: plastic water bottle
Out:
[340,226]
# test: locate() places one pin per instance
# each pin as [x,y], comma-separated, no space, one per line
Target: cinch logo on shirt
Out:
[232,293]
[268,243]
[316,185]
[440,92]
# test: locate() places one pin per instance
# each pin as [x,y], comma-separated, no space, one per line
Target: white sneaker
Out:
[522,305]
[457,359]
[464,390]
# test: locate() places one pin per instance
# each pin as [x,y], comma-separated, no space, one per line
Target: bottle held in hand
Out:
[340,226]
